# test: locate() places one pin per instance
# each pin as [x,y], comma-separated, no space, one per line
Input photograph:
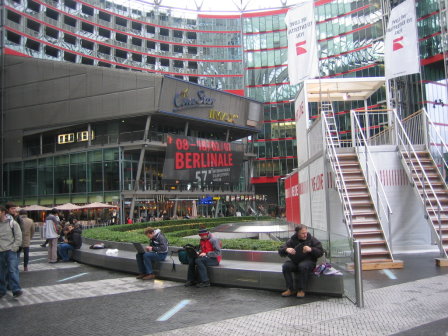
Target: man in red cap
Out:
[209,255]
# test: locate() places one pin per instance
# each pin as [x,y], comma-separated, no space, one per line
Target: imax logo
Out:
[222,116]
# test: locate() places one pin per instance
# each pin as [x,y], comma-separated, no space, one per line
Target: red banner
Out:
[292,198]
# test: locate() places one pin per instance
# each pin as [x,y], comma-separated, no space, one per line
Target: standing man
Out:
[303,251]
[10,241]
[209,255]
[27,234]
[157,250]
[51,228]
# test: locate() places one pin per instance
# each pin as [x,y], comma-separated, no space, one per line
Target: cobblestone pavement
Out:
[387,311]
[75,299]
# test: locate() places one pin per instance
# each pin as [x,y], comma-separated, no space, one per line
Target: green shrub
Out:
[176,230]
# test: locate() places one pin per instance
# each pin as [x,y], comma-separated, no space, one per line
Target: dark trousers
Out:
[26,255]
[302,269]
[201,264]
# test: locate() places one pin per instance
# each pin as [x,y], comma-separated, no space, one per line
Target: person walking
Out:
[27,234]
[10,241]
[51,229]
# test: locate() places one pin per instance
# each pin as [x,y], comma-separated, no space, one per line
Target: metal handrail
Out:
[360,139]
[435,208]
[438,141]
[342,188]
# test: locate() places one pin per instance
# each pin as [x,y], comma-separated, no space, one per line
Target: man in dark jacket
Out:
[72,241]
[303,251]
[157,250]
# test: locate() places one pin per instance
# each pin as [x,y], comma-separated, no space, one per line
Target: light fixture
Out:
[345,96]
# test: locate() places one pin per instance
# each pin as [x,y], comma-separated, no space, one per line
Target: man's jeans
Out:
[144,261]
[303,270]
[9,270]
[63,251]
[201,263]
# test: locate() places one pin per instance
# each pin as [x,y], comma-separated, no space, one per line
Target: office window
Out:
[121,37]
[87,10]
[13,37]
[104,49]
[164,47]
[69,39]
[69,57]
[12,16]
[104,32]
[104,16]
[69,21]
[121,22]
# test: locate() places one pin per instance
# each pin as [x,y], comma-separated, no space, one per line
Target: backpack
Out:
[183,256]
[185,252]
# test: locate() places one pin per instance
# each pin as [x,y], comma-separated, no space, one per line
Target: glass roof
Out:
[216,6]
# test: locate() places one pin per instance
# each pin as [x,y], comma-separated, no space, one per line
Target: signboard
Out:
[292,198]
[303,62]
[401,42]
[203,161]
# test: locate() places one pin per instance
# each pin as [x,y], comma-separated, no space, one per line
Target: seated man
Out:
[303,251]
[72,241]
[157,250]
[209,255]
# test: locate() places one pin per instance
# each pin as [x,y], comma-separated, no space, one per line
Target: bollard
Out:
[358,274]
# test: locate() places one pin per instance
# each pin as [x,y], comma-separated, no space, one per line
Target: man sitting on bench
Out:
[209,255]
[303,251]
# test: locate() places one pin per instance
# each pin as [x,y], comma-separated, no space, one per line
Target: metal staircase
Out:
[360,213]
[427,181]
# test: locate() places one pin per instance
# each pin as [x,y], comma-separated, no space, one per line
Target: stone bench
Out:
[247,269]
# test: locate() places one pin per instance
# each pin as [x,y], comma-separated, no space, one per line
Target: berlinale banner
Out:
[204,161]
[401,43]
[302,46]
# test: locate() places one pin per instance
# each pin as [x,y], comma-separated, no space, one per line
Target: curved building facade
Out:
[242,52]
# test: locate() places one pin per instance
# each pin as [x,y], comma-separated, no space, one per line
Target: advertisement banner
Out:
[204,161]
[401,42]
[303,62]
[292,198]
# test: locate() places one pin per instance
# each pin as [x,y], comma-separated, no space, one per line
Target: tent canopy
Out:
[36,207]
[68,207]
[98,205]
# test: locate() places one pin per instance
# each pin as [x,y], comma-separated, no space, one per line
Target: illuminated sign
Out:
[182,101]
[204,161]
[222,116]
[80,137]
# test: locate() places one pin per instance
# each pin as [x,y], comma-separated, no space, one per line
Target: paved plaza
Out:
[76,299]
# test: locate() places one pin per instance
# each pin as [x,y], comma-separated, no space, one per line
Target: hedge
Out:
[175,230]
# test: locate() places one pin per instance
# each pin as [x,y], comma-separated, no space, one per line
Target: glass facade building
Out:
[242,52]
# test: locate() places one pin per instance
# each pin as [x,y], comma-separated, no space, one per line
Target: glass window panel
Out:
[45,179]
[111,176]
[61,160]
[95,177]
[79,178]
[30,182]
[95,156]
[15,182]
[78,158]
[61,180]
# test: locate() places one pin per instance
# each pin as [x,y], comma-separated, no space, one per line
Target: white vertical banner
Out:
[301,114]
[303,62]
[401,43]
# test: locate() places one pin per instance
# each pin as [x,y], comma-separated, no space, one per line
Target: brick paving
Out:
[387,311]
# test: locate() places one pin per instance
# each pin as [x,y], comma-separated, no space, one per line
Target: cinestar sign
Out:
[182,101]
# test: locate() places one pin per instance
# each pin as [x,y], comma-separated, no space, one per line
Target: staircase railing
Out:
[432,205]
[327,116]
[381,203]
[438,147]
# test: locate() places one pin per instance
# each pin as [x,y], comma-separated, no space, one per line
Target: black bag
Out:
[183,256]
[188,251]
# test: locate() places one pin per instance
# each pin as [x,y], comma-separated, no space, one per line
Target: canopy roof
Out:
[340,89]
[97,205]
[68,207]
[36,207]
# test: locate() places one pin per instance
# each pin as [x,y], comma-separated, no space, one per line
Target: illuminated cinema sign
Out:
[203,161]
[182,101]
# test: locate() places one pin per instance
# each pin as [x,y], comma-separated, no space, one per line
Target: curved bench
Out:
[247,269]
